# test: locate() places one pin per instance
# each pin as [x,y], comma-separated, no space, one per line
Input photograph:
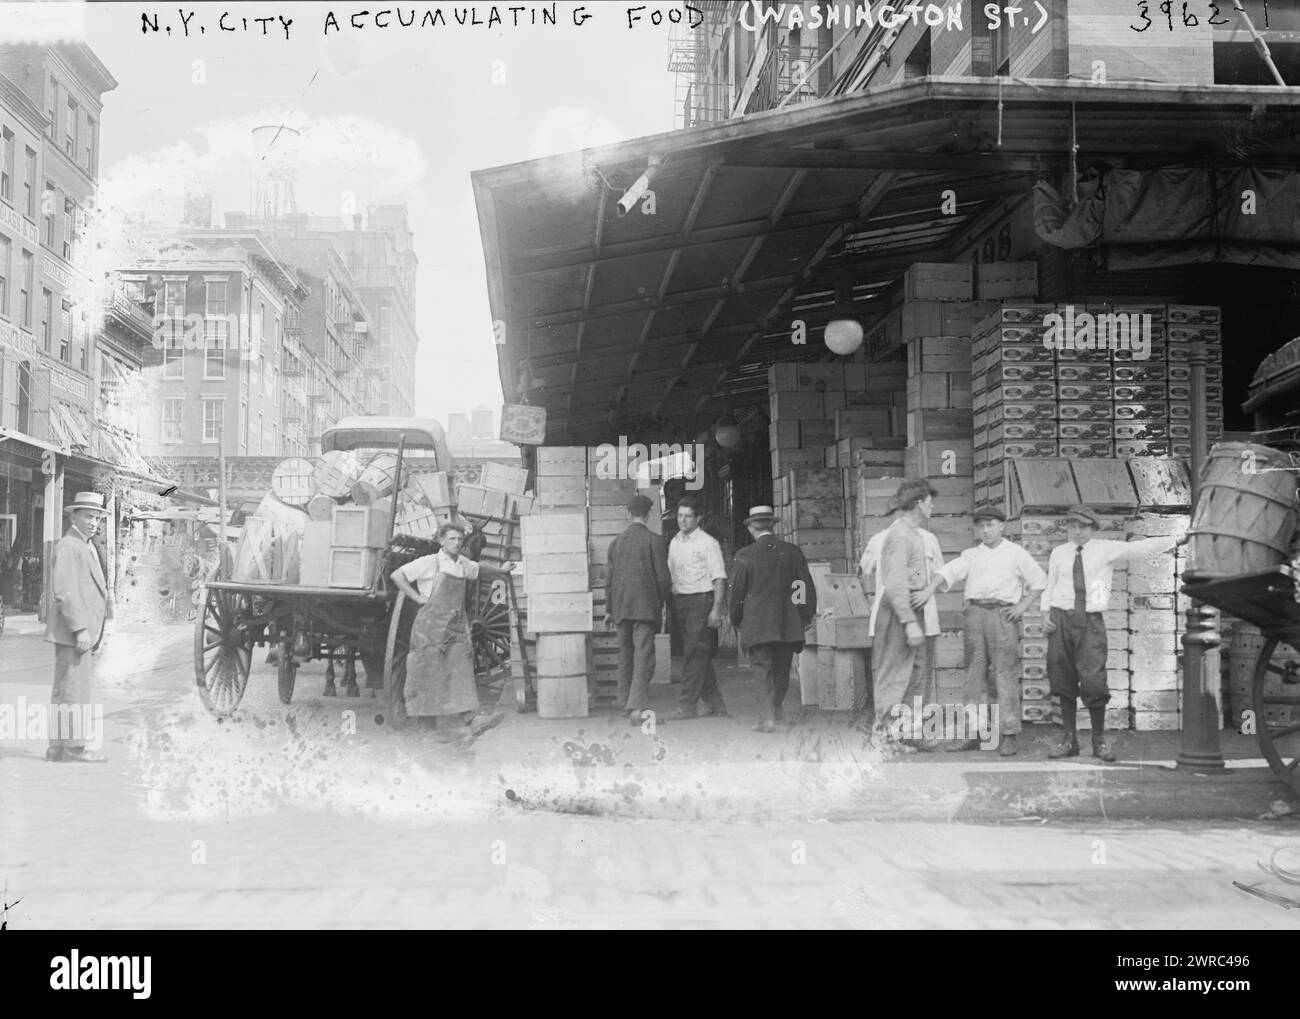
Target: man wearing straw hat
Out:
[773,600]
[79,604]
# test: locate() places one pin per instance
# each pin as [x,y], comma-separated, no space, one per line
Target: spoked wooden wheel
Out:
[488,610]
[1276,702]
[286,670]
[223,651]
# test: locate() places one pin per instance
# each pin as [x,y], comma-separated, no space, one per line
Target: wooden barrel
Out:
[336,472]
[377,480]
[1245,518]
[321,507]
[293,481]
[562,675]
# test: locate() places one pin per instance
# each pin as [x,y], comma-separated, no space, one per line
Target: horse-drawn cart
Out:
[305,623]
[1267,599]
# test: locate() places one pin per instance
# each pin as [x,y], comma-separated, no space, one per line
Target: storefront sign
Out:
[21,343]
[11,220]
[69,382]
[58,271]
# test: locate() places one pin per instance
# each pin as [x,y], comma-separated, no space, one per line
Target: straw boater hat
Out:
[92,501]
[757,513]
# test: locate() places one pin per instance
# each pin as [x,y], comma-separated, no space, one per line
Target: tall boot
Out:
[1069,745]
[1100,748]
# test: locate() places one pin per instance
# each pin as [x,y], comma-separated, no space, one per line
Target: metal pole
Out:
[221,498]
[1202,704]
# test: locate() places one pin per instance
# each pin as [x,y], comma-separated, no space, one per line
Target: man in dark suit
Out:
[79,604]
[773,600]
[637,586]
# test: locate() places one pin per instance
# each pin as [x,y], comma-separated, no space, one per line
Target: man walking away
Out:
[901,654]
[637,586]
[1079,575]
[773,600]
[1001,581]
[79,604]
[699,579]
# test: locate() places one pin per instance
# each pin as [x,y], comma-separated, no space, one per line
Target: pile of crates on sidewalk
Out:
[835,666]
[1035,400]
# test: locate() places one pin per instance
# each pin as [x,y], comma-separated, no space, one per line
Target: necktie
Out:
[1080,589]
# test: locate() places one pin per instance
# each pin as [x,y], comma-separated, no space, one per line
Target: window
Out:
[90,146]
[261,368]
[275,438]
[242,426]
[47,319]
[48,201]
[174,355]
[214,419]
[5,254]
[261,431]
[52,109]
[71,139]
[24,396]
[275,383]
[65,340]
[26,282]
[214,354]
[83,340]
[29,185]
[69,227]
[173,418]
[7,165]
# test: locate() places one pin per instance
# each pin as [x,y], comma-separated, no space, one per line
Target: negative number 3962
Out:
[1170,10]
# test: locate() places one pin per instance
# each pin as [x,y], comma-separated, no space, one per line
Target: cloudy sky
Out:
[393,114]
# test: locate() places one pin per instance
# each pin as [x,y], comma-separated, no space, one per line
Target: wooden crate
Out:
[569,612]
[1006,280]
[314,556]
[843,678]
[504,478]
[360,526]
[843,611]
[561,461]
[938,281]
[553,533]
[353,567]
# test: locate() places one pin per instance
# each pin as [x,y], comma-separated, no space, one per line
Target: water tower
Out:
[275,149]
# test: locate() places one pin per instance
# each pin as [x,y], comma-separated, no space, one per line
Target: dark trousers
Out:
[773,662]
[1076,657]
[699,645]
[992,663]
[636,662]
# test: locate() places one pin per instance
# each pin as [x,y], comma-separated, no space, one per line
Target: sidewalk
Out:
[342,753]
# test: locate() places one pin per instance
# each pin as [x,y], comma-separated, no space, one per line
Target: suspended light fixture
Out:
[727,431]
[843,336]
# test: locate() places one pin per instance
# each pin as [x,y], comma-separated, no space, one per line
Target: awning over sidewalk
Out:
[795,214]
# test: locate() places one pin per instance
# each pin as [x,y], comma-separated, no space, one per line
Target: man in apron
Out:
[440,665]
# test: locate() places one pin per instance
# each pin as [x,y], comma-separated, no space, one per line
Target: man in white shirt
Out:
[699,579]
[1079,577]
[1001,581]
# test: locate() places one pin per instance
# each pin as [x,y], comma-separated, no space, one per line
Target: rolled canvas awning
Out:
[796,214]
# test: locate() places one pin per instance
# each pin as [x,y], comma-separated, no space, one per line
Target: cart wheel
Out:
[286,670]
[223,651]
[395,666]
[1277,710]
[488,611]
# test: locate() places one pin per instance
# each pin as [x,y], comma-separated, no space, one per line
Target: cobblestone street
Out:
[286,817]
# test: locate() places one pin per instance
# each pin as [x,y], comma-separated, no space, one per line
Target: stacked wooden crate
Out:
[812,515]
[1156,609]
[802,401]
[606,518]
[1184,324]
[1014,395]
[835,666]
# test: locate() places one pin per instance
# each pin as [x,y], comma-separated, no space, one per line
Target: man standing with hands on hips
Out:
[1079,575]
[79,605]
[1001,581]
[699,578]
